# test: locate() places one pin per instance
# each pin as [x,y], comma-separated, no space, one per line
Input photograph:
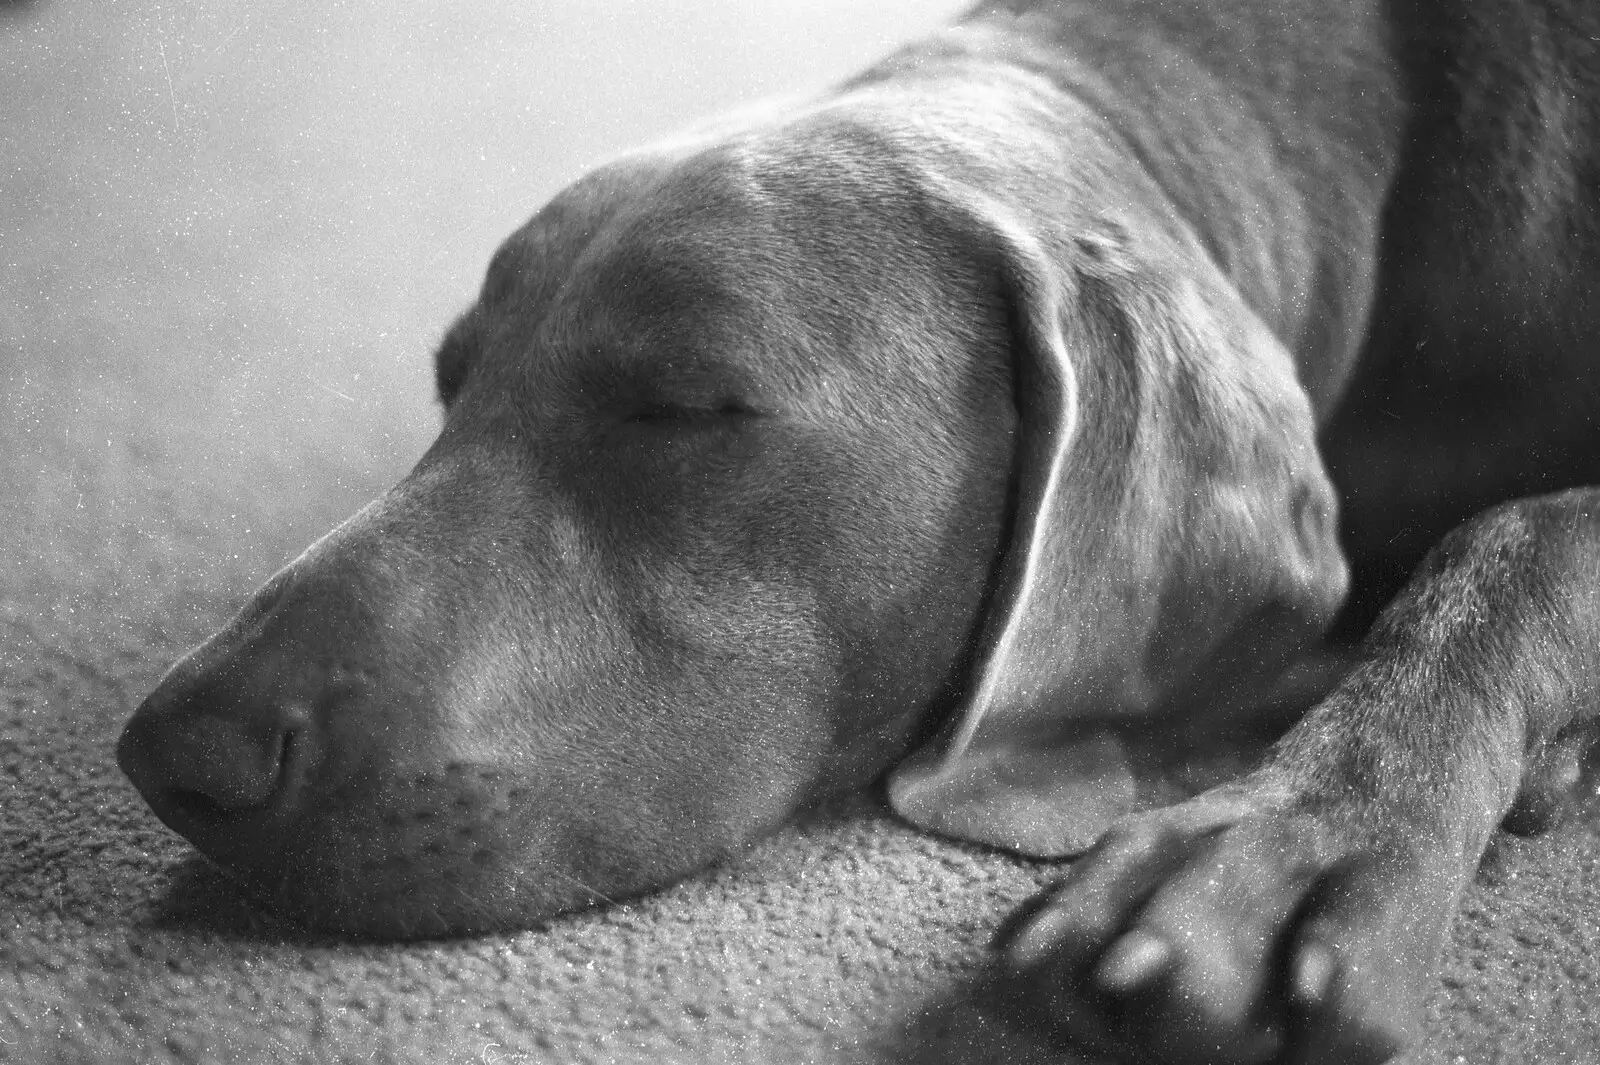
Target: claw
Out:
[1311,975]
[1133,962]
[1037,937]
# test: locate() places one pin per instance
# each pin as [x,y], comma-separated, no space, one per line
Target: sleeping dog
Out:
[1011,423]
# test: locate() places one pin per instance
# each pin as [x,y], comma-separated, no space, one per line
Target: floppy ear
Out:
[1173,523]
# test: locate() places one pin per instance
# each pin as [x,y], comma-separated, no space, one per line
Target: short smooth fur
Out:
[1011,422]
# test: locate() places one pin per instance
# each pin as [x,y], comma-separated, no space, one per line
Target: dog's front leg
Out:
[1297,914]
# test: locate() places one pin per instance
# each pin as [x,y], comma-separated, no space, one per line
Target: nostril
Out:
[196,761]
[247,791]
[235,765]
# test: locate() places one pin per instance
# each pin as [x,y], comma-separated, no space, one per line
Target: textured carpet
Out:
[229,234]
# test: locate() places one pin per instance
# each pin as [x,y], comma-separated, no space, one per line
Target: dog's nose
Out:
[221,751]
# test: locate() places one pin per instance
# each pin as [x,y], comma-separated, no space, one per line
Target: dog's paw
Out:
[1227,929]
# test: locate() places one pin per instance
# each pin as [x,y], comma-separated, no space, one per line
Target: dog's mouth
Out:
[423,873]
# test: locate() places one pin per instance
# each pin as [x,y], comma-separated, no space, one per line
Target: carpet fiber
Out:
[229,234]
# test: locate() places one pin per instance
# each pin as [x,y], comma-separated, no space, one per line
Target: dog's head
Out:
[758,453]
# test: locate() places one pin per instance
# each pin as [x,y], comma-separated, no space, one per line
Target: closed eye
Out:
[675,413]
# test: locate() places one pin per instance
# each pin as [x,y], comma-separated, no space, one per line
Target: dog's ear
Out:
[1173,523]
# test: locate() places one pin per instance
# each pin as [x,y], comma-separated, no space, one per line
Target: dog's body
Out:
[988,407]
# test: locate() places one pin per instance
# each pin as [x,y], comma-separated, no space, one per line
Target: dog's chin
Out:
[432,898]
[442,906]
